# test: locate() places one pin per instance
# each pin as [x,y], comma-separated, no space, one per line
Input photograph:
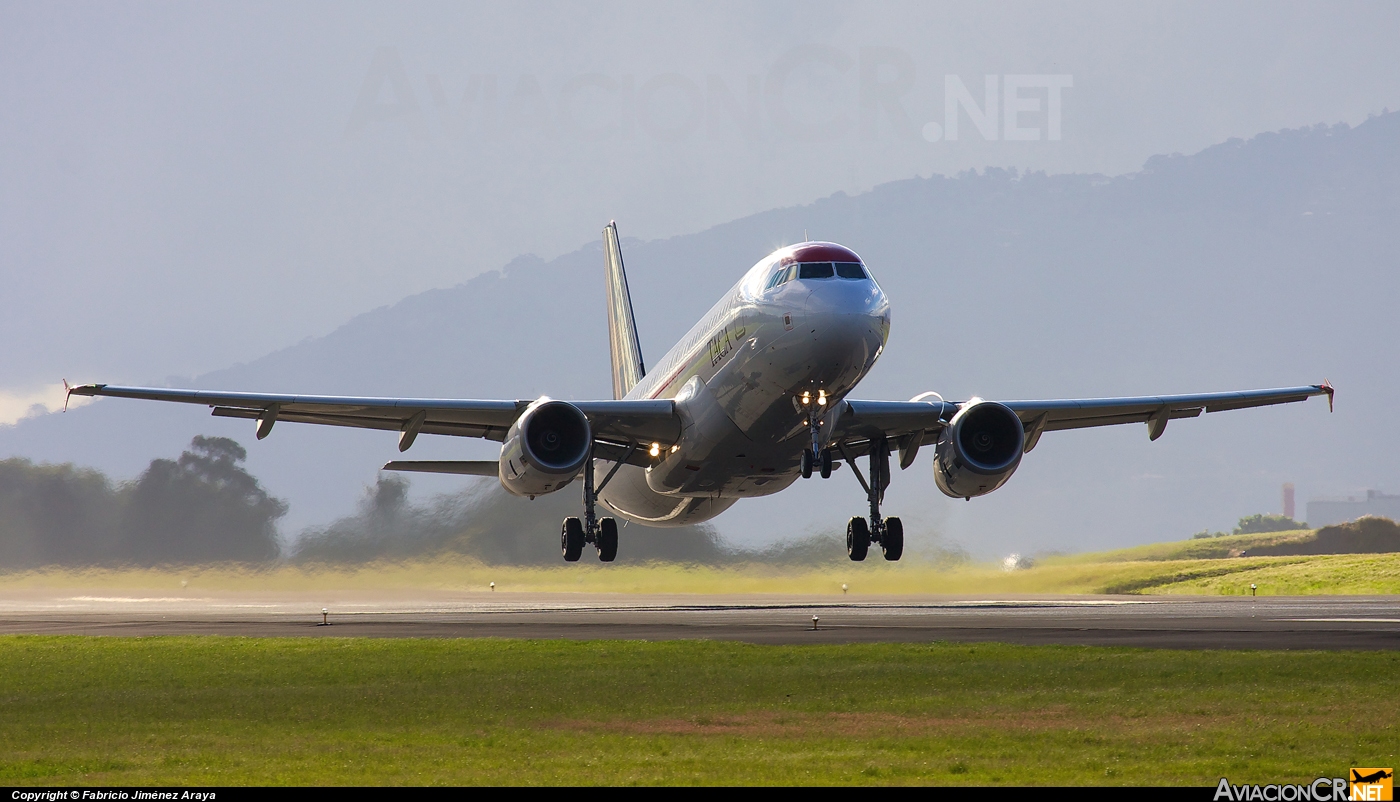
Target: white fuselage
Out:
[738,379]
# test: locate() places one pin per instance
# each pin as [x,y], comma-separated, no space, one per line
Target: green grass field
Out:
[1194,549]
[209,710]
[1192,566]
[173,711]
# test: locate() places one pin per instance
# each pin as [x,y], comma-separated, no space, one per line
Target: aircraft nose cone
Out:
[849,320]
[848,309]
[845,297]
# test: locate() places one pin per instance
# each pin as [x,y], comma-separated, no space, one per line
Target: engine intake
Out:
[545,448]
[979,449]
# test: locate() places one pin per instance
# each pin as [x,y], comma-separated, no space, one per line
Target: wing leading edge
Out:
[616,424]
[924,421]
[620,422]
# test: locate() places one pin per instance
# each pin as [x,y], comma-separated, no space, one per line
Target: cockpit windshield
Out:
[817,270]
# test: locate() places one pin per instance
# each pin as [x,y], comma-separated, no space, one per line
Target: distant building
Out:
[1325,512]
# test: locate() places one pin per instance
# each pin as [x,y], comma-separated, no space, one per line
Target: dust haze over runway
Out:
[1335,622]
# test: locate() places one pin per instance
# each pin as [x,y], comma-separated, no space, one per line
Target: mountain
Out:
[1266,262]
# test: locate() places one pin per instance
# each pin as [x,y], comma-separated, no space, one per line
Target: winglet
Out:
[1327,387]
[67,391]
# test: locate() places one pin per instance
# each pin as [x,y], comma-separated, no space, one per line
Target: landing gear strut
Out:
[887,532]
[816,458]
[601,532]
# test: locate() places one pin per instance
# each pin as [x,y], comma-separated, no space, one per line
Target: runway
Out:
[1316,622]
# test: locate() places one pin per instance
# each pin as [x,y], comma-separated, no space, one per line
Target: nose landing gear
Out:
[821,464]
[816,458]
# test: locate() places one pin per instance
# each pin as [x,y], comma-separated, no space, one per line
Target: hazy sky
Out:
[188,185]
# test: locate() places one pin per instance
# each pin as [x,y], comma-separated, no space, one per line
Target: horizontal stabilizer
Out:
[468,467]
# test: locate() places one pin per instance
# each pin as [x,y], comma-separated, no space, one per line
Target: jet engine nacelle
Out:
[545,448]
[979,449]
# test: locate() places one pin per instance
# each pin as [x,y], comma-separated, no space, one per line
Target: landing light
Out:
[806,397]
[821,397]
[655,449]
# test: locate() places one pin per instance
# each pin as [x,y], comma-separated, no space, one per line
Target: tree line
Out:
[204,507]
[201,507]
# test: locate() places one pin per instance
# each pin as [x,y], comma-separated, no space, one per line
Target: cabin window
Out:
[816,270]
[783,276]
[850,270]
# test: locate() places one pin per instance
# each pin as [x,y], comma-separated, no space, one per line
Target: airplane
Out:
[756,396]
[1374,777]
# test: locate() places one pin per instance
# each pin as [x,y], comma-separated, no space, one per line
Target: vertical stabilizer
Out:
[627,367]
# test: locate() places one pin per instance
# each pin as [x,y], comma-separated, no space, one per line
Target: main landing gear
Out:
[601,532]
[575,534]
[888,533]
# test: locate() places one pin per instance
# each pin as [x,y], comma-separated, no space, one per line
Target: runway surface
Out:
[1327,622]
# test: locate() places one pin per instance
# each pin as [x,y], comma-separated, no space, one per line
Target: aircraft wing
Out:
[914,422]
[621,422]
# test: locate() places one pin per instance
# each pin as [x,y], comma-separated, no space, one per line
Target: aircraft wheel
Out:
[826,464]
[893,541]
[571,539]
[607,540]
[807,460]
[857,539]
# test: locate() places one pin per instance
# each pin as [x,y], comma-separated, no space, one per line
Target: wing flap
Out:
[619,452]
[893,419]
[473,467]
[1091,421]
[1091,408]
[371,421]
[645,421]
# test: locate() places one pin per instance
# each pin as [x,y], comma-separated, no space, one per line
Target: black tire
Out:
[571,539]
[826,464]
[607,540]
[857,539]
[892,544]
[807,461]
